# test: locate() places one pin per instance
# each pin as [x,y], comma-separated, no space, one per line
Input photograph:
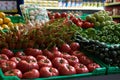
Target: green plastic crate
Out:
[109,69]
[17,19]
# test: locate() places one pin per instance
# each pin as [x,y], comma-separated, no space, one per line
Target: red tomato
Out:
[71,17]
[54,49]
[66,55]
[64,15]
[8,52]
[75,20]
[3,58]
[44,62]
[80,24]
[65,48]
[33,52]
[15,59]
[33,73]
[48,53]
[85,60]
[93,66]
[28,64]
[21,55]
[52,17]
[48,72]
[39,57]
[66,69]
[75,46]
[59,61]
[81,68]
[13,72]
[73,60]
[7,65]
[78,54]
[87,24]
[57,15]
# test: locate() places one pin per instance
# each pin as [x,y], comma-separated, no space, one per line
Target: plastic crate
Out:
[109,69]
[17,19]
[96,72]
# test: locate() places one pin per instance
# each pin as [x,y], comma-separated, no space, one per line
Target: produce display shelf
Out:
[96,72]
[74,8]
[112,4]
[116,16]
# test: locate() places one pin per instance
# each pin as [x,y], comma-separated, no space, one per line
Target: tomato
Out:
[8,52]
[79,24]
[7,65]
[75,46]
[57,15]
[87,24]
[28,64]
[52,17]
[52,55]
[85,60]
[39,57]
[48,72]
[57,54]
[73,60]
[78,54]
[3,58]
[93,66]
[33,52]
[71,17]
[33,73]
[81,68]
[13,72]
[48,53]
[66,69]
[75,20]
[64,15]
[54,49]
[59,61]
[15,59]
[66,55]
[65,48]
[44,62]
[21,55]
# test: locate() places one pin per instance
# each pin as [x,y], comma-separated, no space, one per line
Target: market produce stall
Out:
[46,45]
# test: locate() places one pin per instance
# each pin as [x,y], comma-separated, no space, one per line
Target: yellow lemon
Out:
[1,21]
[7,20]
[4,26]
[20,24]
[10,24]
[2,14]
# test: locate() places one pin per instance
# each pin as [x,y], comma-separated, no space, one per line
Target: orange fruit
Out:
[2,14]
[6,20]
[1,21]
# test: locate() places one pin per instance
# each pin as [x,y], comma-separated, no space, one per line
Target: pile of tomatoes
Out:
[78,21]
[36,63]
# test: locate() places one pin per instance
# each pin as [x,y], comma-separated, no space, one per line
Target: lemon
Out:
[20,24]
[7,20]
[1,21]
[2,15]
[10,24]
[4,26]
